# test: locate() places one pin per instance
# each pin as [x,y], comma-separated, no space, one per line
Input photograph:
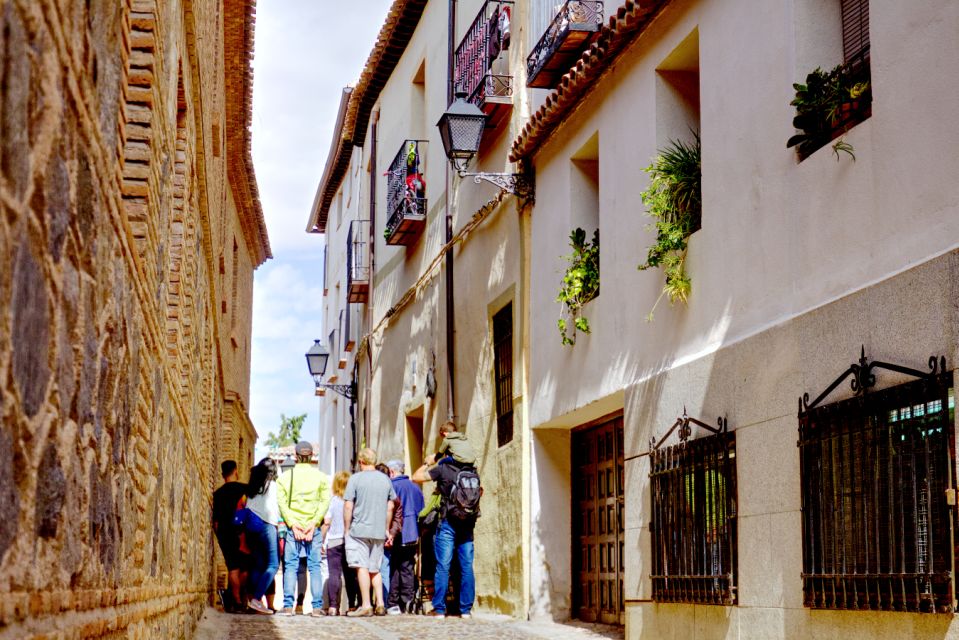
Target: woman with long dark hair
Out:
[261,526]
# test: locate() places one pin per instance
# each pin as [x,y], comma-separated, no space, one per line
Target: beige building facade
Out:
[804,270]
[387,178]
[799,269]
[129,233]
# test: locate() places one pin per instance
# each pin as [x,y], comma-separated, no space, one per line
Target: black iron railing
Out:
[876,484]
[406,193]
[479,65]
[694,516]
[568,33]
[358,261]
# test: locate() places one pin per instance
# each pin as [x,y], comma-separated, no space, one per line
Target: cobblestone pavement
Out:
[219,626]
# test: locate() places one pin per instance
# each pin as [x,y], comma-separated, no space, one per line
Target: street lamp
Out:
[316,360]
[461,130]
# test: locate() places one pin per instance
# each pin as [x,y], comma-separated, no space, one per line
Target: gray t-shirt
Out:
[370,492]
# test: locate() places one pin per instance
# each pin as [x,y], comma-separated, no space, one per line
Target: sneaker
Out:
[394,611]
[259,607]
[379,611]
[318,613]
[466,616]
[362,612]
[287,611]
[436,614]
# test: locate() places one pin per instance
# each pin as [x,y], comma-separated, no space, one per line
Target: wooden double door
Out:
[598,527]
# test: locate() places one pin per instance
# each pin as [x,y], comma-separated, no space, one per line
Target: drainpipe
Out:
[372,251]
[450,320]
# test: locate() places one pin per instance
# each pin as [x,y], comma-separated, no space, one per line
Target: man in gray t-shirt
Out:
[367,510]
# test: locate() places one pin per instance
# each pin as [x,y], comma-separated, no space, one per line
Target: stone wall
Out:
[113,209]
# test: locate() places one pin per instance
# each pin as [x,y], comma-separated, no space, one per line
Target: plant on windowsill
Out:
[674,201]
[829,105]
[580,284]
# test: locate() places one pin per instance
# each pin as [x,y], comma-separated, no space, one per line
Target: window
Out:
[855,29]
[584,187]
[877,523]
[503,373]
[694,520]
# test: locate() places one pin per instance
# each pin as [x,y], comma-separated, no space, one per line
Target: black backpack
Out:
[465,493]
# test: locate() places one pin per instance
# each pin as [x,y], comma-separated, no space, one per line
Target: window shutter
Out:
[855,28]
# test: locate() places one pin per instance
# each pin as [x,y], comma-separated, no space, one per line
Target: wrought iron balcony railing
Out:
[570,32]
[481,64]
[358,261]
[406,194]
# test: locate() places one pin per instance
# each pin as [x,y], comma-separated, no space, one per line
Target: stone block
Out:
[767,467]
[770,560]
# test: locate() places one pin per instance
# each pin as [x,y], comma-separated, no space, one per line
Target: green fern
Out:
[674,201]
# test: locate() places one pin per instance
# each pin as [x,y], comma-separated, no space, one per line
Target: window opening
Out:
[694,530]
[877,476]
[503,373]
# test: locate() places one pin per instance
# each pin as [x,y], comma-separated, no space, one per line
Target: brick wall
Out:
[114,190]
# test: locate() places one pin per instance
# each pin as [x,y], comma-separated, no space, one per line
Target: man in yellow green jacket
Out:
[304,495]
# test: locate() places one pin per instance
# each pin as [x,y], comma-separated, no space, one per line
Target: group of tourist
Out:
[362,533]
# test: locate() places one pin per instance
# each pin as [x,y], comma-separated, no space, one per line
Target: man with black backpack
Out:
[459,485]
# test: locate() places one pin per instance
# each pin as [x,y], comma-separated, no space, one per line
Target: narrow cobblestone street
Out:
[220,626]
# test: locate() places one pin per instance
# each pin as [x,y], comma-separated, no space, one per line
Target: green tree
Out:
[289,432]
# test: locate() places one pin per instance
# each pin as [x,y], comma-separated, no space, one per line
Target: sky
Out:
[305,52]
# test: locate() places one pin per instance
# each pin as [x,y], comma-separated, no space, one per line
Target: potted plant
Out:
[674,201]
[827,106]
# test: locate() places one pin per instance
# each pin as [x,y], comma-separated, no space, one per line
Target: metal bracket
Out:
[864,379]
[521,185]
[683,423]
[348,391]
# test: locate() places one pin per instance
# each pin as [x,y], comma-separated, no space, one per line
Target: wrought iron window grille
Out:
[357,261]
[571,31]
[406,194]
[878,492]
[693,525]
[479,59]
[864,379]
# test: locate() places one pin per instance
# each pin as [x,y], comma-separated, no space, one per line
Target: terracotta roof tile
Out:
[621,30]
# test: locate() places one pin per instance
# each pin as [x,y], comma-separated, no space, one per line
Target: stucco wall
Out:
[756,383]
[778,238]
[487,274]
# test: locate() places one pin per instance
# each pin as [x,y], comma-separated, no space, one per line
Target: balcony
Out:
[406,195]
[358,262]
[570,32]
[481,61]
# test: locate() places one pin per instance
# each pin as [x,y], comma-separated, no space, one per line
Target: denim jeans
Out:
[445,542]
[291,560]
[385,574]
[261,537]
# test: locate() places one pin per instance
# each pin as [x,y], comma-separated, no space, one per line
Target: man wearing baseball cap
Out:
[304,495]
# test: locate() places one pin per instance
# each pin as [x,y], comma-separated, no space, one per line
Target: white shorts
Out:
[364,553]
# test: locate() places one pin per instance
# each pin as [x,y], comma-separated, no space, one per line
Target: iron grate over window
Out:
[694,519]
[876,479]
[503,373]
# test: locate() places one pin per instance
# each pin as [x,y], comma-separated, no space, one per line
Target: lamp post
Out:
[461,130]
[316,360]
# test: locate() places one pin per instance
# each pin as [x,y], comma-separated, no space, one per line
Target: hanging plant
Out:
[674,201]
[580,284]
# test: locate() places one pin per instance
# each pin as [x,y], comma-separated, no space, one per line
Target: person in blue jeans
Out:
[452,537]
[304,495]
[261,522]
